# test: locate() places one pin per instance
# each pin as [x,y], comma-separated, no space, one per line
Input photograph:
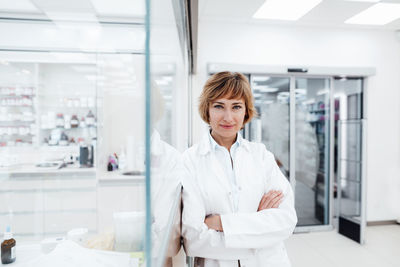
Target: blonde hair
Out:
[231,85]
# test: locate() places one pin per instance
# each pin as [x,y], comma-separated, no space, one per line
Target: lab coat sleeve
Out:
[199,241]
[267,227]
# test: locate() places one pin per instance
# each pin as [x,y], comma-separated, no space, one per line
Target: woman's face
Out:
[227,116]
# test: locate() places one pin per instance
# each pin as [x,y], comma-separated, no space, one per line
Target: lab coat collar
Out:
[208,144]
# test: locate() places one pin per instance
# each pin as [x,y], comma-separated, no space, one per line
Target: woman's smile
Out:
[227,126]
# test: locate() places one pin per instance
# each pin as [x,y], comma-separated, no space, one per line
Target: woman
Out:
[238,208]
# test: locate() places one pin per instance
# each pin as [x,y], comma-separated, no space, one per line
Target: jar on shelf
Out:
[90,119]
[60,120]
[74,121]
[63,140]
[82,123]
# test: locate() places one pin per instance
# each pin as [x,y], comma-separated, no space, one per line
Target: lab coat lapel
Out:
[217,170]
[220,174]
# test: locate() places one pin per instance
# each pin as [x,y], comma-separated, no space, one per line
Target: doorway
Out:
[299,118]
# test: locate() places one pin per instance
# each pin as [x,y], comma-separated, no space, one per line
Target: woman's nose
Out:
[228,115]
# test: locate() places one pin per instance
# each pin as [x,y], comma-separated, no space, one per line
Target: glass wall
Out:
[88,138]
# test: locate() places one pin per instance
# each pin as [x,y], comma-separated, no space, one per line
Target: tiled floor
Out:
[329,249]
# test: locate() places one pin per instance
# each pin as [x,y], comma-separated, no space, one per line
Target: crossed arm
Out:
[270,200]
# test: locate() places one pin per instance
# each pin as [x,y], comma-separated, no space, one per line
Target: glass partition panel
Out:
[312,151]
[271,127]
[72,132]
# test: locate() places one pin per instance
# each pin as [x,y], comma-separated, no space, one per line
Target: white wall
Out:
[254,44]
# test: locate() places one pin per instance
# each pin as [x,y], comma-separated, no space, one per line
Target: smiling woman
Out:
[238,206]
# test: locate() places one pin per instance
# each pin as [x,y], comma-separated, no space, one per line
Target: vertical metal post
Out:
[339,170]
[363,219]
[292,133]
[331,148]
[148,133]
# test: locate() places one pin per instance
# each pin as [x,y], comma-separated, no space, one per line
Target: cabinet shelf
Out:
[62,128]
[16,96]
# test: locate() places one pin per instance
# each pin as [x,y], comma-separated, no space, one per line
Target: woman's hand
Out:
[270,200]
[214,222]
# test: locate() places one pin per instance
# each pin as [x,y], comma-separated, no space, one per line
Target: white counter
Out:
[24,170]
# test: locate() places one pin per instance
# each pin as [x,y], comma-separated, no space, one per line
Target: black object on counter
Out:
[86,156]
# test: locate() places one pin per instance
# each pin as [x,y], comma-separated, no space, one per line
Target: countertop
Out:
[103,176]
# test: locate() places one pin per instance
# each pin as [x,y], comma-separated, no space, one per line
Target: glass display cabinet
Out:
[93,104]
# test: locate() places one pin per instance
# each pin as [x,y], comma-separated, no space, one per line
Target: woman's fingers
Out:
[265,199]
[270,199]
[270,202]
[262,202]
[277,201]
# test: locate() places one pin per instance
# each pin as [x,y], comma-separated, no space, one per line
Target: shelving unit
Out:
[17,115]
[31,96]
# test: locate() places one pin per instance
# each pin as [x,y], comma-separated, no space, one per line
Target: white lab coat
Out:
[254,238]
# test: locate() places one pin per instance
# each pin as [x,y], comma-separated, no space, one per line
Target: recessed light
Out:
[378,14]
[264,89]
[323,91]
[301,91]
[260,78]
[370,1]
[285,9]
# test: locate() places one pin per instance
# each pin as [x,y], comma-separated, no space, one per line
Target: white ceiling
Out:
[330,13]
[64,9]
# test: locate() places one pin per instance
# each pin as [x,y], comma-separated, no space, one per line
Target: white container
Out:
[129,230]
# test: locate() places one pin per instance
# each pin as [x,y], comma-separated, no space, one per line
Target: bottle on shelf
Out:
[8,247]
[74,121]
[60,120]
[82,123]
[90,119]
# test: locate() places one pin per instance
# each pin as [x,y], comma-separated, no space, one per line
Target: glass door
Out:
[312,140]
[294,124]
[272,126]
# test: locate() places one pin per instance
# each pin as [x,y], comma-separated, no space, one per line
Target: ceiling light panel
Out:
[285,9]
[370,1]
[130,8]
[378,14]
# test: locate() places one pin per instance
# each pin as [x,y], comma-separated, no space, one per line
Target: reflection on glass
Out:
[271,127]
[169,86]
[350,202]
[312,151]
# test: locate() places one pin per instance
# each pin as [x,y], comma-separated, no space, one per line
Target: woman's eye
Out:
[237,107]
[218,106]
